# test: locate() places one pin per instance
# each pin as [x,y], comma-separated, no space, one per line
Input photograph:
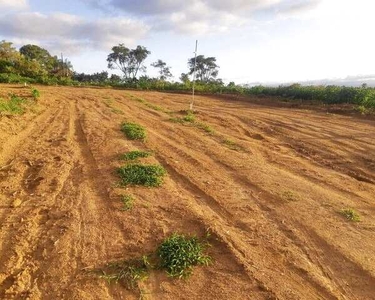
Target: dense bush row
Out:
[362,96]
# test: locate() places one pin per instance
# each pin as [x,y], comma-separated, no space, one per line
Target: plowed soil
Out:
[269,183]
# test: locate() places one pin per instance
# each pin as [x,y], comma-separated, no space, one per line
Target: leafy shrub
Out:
[134,131]
[35,93]
[146,175]
[178,254]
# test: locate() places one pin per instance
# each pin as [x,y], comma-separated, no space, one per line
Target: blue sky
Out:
[253,40]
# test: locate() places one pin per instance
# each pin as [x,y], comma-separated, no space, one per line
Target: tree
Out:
[9,57]
[34,52]
[164,71]
[206,68]
[184,78]
[128,61]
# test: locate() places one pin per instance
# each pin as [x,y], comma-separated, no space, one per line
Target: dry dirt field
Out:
[268,183]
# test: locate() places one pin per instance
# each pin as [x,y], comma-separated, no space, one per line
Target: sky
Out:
[265,41]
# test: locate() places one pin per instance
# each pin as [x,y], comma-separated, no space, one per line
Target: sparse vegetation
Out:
[179,253]
[231,144]
[204,127]
[350,215]
[127,272]
[149,105]
[133,131]
[146,175]
[35,93]
[14,105]
[289,196]
[190,117]
[134,155]
[127,201]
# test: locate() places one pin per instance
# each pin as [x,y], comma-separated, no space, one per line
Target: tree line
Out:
[33,61]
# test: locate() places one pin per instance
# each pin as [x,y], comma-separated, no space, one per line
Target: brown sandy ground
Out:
[268,183]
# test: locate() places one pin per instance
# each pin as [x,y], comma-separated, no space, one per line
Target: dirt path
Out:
[271,204]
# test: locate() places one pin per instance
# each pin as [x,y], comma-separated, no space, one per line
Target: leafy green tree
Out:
[206,68]
[164,70]
[9,57]
[128,61]
[34,52]
[184,78]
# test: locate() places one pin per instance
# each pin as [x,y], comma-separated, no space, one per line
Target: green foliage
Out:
[133,155]
[164,70]
[204,127]
[128,61]
[146,175]
[127,201]
[14,105]
[350,215]
[127,272]
[178,254]
[205,67]
[133,131]
[362,96]
[190,117]
[35,93]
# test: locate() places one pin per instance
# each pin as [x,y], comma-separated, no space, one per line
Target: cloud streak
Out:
[71,33]
[13,4]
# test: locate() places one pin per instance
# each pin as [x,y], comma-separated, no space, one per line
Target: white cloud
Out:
[70,33]
[201,17]
[13,4]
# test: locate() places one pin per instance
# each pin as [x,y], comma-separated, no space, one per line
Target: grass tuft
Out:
[35,93]
[133,131]
[127,201]
[178,254]
[134,155]
[127,272]
[146,175]
[350,215]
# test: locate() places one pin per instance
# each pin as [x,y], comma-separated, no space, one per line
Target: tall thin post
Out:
[195,64]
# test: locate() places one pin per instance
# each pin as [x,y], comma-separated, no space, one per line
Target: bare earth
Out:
[271,204]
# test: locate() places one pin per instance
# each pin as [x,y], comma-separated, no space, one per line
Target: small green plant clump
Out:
[127,272]
[127,201]
[189,117]
[133,131]
[13,106]
[178,254]
[35,93]
[204,127]
[146,175]
[350,215]
[134,155]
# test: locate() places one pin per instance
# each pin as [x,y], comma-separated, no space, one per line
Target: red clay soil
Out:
[268,183]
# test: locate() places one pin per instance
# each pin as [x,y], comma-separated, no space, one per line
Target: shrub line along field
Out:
[286,195]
